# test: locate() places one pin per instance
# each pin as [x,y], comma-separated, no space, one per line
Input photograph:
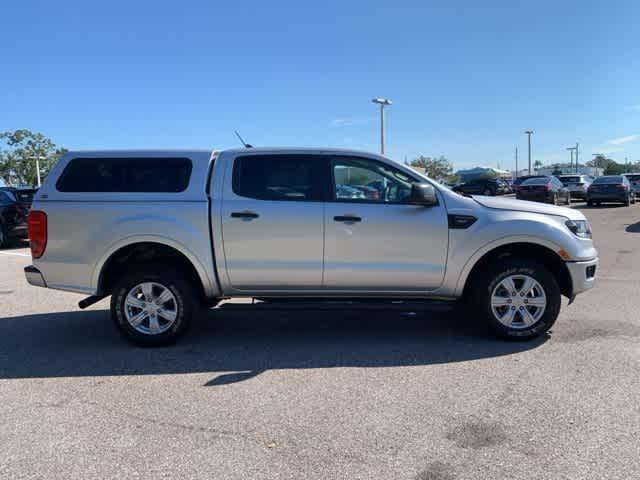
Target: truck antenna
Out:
[246,145]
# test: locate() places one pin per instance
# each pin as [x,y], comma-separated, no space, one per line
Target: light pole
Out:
[37,158]
[529,133]
[382,102]
[571,149]
[577,150]
[516,162]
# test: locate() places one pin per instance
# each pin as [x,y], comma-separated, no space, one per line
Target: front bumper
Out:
[34,277]
[583,275]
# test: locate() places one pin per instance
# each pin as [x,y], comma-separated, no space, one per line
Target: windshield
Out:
[573,179]
[537,181]
[615,179]
[633,178]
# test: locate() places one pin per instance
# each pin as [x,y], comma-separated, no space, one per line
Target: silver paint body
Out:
[293,248]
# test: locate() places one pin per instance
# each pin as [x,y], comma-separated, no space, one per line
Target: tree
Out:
[18,161]
[435,168]
[537,164]
[610,166]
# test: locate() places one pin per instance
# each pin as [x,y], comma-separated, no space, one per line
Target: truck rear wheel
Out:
[518,298]
[153,306]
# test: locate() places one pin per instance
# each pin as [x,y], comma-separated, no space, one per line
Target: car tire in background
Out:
[554,200]
[153,306]
[4,237]
[487,192]
[518,298]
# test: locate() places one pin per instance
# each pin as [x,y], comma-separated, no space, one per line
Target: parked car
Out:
[611,188]
[164,233]
[508,184]
[347,192]
[371,193]
[544,189]
[23,195]
[13,218]
[577,184]
[634,180]
[516,183]
[482,186]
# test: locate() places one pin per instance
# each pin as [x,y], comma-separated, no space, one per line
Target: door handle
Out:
[347,219]
[247,214]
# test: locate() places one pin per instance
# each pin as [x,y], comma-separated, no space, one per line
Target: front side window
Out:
[275,177]
[143,175]
[360,179]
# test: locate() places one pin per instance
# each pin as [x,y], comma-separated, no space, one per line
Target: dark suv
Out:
[483,186]
[13,217]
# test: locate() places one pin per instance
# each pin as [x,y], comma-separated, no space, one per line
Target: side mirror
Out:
[423,194]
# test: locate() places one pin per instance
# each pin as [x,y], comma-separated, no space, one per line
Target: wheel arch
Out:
[149,250]
[546,254]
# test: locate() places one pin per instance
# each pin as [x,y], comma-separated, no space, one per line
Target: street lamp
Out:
[529,133]
[37,158]
[571,149]
[382,102]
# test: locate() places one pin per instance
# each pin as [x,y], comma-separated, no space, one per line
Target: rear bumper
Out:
[583,275]
[535,197]
[608,197]
[34,277]
[578,193]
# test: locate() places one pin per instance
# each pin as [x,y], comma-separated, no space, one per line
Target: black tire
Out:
[4,237]
[555,199]
[487,281]
[589,203]
[185,304]
[568,200]
[627,203]
[487,192]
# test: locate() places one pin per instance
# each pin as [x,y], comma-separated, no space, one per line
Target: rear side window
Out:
[125,175]
[276,177]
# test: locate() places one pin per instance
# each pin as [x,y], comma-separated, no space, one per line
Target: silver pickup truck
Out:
[165,232]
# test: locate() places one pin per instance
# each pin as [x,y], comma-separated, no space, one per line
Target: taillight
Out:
[37,228]
[620,187]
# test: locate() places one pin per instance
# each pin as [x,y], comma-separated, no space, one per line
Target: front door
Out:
[272,223]
[374,239]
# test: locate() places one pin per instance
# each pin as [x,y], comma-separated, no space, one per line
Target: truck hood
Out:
[525,206]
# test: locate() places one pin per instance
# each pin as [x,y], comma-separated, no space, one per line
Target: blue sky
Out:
[466,78]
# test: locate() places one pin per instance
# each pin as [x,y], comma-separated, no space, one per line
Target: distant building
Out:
[481,172]
[582,170]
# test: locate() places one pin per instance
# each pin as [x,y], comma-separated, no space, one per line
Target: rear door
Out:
[272,223]
[382,243]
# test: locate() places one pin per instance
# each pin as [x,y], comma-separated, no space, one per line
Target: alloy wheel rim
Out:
[150,308]
[518,301]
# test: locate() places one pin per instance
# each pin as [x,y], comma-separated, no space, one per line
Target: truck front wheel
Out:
[519,298]
[153,306]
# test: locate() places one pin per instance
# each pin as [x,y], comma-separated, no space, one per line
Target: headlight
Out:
[580,228]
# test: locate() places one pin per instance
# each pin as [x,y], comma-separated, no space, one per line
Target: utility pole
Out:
[382,102]
[529,133]
[516,162]
[37,158]
[577,150]
[571,149]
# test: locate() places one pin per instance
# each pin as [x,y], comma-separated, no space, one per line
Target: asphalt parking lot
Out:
[390,392]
